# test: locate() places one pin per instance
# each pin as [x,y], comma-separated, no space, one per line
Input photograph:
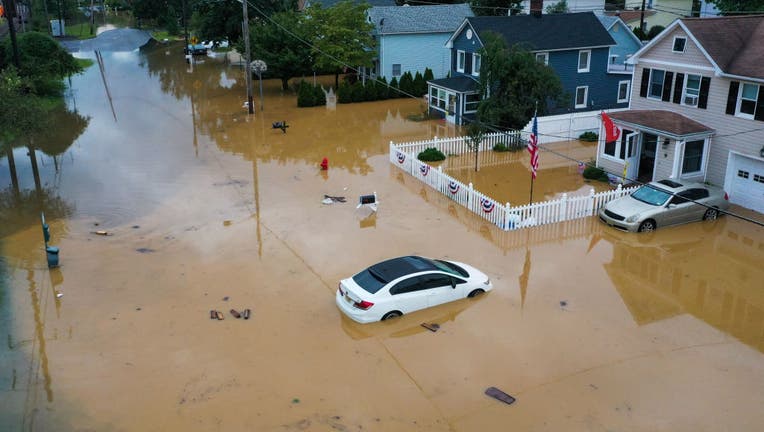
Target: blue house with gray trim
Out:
[412,38]
[576,45]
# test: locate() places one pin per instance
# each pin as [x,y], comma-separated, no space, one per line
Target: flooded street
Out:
[207,208]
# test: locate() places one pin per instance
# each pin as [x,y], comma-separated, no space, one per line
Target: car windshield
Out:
[651,195]
[449,267]
[369,280]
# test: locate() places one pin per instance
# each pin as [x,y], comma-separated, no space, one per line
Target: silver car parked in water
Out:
[662,203]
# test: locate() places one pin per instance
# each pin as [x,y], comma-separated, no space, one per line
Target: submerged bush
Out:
[595,173]
[588,136]
[431,154]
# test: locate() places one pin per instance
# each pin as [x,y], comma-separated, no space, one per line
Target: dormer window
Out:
[476,64]
[679,44]
[461,58]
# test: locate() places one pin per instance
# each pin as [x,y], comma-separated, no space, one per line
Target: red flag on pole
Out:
[533,147]
[612,132]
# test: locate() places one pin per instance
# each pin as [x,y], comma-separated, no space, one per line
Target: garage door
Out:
[748,183]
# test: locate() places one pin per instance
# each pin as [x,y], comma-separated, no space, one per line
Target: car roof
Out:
[394,268]
[674,185]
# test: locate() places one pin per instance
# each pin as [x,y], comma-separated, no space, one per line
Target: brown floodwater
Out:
[207,208]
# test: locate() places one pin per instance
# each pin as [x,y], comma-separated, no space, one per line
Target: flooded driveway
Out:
[209,208]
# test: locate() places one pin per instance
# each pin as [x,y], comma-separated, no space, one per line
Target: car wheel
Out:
[711,214]
[647,226]
[391,314]
[475,292]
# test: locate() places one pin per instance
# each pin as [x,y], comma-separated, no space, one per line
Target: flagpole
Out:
[530,199]
[534,152]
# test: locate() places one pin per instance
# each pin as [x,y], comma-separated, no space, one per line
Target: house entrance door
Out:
[451,108]
[632,157]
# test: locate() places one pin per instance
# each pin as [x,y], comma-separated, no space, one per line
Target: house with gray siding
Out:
[575,45]
[697,109]
[413,38]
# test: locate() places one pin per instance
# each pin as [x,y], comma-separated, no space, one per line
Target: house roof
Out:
[609,21]
[461,84]
[665,122]
[733,43]
[419,19]
[631,15]
[546,32]
[329,3]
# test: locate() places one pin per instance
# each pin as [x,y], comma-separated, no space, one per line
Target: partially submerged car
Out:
[662,203]
[402,285]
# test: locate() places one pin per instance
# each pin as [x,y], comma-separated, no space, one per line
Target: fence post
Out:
[591,202]
[440,179]
[469,197]
[563,212]
[506,217]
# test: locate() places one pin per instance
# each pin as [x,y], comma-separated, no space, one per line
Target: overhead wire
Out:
[497,128]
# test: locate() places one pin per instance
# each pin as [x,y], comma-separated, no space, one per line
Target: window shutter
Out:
[732,97]
[705,83]
[645,82]
[678,87]
[667,86]
[467,63]
[759,114]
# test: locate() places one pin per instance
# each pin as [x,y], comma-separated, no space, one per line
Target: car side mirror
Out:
[453,283]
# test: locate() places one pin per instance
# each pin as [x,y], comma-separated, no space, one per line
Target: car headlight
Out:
[632,218]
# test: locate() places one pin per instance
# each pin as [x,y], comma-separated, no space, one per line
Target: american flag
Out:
[533,146]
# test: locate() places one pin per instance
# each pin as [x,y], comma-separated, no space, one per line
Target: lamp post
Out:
[248,67]
[260,66]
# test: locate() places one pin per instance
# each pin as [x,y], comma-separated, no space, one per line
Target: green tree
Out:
[217,20]
[475,134]
[279,42]
[342,37]
[21,113]
[43,62]
[406,84]
[420,86]
[559,7]
[739,7]
[512,84]
[496,7]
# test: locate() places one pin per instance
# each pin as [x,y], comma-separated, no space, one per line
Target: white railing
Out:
[504,216]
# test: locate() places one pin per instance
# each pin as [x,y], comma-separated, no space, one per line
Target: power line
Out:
[496,128]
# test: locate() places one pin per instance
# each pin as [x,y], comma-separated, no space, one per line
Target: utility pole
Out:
[248,68]
[185,31]
[642,19]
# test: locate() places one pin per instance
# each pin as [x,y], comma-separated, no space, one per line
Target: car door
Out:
[408,295]
[677,210]
[440,288]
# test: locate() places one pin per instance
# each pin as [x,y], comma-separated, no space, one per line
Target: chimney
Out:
[537,6]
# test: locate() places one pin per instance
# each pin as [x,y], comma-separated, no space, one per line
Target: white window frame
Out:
[544,56]
[461,60]
[627,83]
[686,90]
[438,95]
[464,102]
[650,85]
[620,143]
[476,64]
[400,69]
[673,44]
[586,97]
[588,60]
[738,113]
[702,157]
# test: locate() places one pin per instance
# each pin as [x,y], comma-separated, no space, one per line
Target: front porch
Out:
[453,99]
[656,144]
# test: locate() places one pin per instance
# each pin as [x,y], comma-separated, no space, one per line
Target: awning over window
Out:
[660,122]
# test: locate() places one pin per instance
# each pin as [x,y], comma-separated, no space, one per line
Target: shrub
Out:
[357,92]
[406,84]
[383,92]
[501,148]
[431,154]
[595,173]
[393,89]
[420,86]
[344,93]
[319,97]
[588,136]
[305,95]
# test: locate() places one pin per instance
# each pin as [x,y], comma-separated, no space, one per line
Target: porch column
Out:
[678,156]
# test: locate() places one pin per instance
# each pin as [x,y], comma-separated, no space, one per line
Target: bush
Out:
[309,95]
[357,92]
[420,86]
[383,92]
[431,154]
[406,84]
[588,136]
[595,173]
[501,148]
[344,93]
[394,93]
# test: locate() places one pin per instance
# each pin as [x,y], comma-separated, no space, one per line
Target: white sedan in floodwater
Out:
[402,285]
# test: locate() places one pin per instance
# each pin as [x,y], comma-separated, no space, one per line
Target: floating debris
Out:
[219,315]
[59,294]
[213,314]
[235,313]
[247,313]
[145,250]
[431,326]
[101,233]
[499,395]
[225,298]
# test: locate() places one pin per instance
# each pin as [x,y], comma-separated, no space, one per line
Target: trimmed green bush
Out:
[501,148]
[420,86]
[406,84]
[394,93]
[595,173]
[431,154]
[344,93]
[588,136]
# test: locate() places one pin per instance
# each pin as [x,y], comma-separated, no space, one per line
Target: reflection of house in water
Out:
[657,281]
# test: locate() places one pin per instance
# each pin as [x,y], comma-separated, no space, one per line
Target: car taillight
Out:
[363,304]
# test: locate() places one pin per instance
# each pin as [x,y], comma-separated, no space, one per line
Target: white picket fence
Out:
[504,215]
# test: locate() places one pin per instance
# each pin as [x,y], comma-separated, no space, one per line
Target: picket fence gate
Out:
[504,216]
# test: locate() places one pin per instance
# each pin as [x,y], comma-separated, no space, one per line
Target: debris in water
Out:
[138,308]
[431,326]
[145,250]
[334,198]
[327,201]
[136,226]
[246,314]
[225,298]
[101,232]
[59,294]
[235,313]
[499,395]
[295,401]
[213,314]
[219,315]
[563,303]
